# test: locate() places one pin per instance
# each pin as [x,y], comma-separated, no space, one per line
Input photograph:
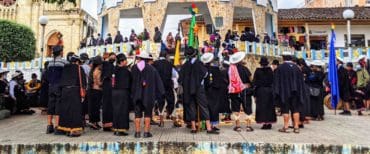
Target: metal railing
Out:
[252,48]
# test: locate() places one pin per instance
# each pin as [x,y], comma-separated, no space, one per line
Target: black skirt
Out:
[120,102]
[265,109]
[70,110]
[107,103]
[317,104]
[224,104]
[213,96]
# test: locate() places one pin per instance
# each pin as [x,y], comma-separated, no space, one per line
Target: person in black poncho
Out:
[146,87]
[192,75]
[289,91]
[165,70]
[262,81]
[106,76]
[344,87]
[213,87]
[121,83]
[70,110]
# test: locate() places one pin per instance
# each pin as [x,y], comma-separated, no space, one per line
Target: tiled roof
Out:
[361,13]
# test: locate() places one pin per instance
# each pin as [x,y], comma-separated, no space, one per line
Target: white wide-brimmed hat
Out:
[207,58]
[317,63]
[237,57]
[287,53]
[144,55]
[340,59]
[3,71]
[16,74]
[361,57]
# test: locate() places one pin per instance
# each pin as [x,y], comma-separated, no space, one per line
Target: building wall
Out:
[341,30]
[333,3]
[67,20]
[155,13]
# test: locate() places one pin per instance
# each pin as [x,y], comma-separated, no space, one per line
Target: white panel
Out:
[126,24]
[274,5]
[149,1]
[262,2]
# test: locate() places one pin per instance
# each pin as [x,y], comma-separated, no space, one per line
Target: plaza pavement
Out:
[335,130]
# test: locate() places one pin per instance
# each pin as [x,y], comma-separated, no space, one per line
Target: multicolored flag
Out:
[193,27]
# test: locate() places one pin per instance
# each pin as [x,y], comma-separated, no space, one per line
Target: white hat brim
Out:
[237,57]
[207,58]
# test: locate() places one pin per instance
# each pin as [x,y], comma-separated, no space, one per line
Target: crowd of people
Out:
[100,92]
[82,90]
[17,95]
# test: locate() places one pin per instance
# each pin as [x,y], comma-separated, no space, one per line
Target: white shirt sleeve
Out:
[12,85]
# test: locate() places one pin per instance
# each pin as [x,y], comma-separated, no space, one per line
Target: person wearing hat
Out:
[316,90]
[18,94]
[344,85]
[212,85]
[192,76]
[262,82]
[121,83]
[107,72]
[5,100]
[363,83]
[146,88]
[53,75]
[289,91]
[165,70]
[240,90]
[95,92]
[73,79]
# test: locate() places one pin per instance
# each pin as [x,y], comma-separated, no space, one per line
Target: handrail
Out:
[251,48]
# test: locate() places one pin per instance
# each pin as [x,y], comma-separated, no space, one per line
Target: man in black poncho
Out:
[288,88]
[106,76]
[344,87]
[192,75]
[146,87]
[165,70]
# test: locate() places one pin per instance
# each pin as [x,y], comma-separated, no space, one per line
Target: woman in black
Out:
[70,112]
[121,83]
[95,93]
[262,80]
[315,81]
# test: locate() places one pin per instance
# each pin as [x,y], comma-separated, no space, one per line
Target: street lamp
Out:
[348,14]
[43,20]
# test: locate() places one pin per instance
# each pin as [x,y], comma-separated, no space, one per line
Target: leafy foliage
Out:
[17,42]
[60,2]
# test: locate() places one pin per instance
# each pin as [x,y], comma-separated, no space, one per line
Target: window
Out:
[357,40]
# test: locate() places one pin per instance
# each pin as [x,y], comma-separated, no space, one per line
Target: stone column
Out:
[154,15]
[113,21]
[224,10]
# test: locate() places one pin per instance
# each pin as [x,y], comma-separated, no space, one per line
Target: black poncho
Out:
[288,81]
[147,85]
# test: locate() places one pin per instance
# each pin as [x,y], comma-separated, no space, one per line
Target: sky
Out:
[284,4]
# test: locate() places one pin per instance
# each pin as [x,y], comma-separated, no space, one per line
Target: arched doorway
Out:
[54,39]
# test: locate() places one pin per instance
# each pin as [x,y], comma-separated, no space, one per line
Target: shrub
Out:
[17,42]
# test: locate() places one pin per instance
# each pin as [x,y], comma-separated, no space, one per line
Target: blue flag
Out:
[333,73]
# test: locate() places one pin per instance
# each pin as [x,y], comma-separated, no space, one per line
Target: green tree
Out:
[60,2]
[17,42]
